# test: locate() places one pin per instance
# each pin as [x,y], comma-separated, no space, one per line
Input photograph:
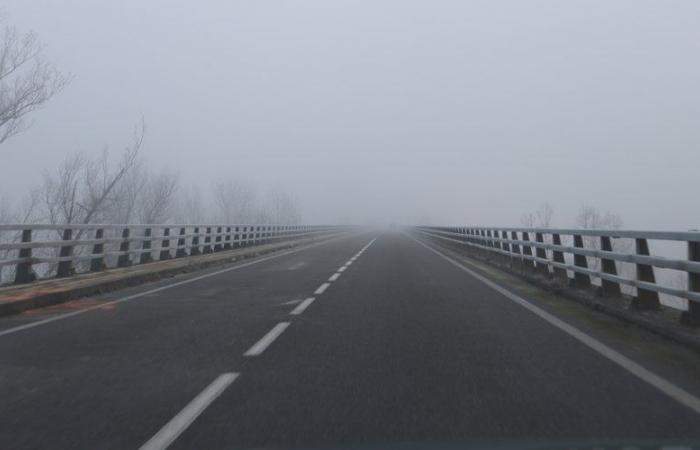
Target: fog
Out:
[385,111]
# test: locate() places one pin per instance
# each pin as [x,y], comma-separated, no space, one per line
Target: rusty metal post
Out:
[581,280]
[165,245]
[23,271]
[146,257]
[645,299]
[609,288]
[541,267]
[65,268]
[558,257]
[124,259]
[98,262]
[692,315]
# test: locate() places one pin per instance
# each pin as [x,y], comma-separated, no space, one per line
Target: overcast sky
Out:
[455,111]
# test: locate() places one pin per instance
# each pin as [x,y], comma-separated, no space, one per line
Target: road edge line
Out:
[671,390]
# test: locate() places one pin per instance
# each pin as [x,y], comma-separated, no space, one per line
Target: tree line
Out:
[86,189]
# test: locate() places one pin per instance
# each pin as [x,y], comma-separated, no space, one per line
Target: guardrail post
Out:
[146,257]
[515,248]
[543,268]
[124,259]
[65,268]
[558,257]
[207,241]
[581,280]
[237,237]
[165,245]
[692,315]
[645,299]
[195,243]
[181,250]
[527,251]
[489,243]
[496,245]
[218,247]
[23,271]
[505,246]
[609,288]
[227,240]
[98,262]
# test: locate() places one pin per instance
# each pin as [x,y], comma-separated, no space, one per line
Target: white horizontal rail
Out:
[490,243]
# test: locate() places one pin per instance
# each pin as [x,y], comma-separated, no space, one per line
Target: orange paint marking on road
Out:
[70,306]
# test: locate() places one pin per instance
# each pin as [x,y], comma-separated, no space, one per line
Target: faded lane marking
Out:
[290,302]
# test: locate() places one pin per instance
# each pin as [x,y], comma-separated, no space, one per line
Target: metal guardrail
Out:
[65,250]
[540,251]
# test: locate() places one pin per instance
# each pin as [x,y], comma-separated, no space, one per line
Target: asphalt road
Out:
[401,346]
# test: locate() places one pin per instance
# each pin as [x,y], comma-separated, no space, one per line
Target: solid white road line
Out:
[162,288]
[334,277]
[322,288]
[184,419]
[302,306]
[675,392]
[266,340]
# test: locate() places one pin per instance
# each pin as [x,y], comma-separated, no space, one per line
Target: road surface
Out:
[369,338]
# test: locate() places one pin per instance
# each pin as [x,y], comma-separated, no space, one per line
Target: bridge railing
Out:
[615,262]
[32,251]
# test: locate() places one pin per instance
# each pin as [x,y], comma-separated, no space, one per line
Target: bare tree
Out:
[235,202]
[157,200]
[189,206]
[27,80]
[83,189]
[125,204]
[590,218]
[5,213]
[540,218]
[282,207]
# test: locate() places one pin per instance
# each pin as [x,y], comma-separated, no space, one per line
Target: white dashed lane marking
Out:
[322,288]
[184,418]
[266,340]
[302,306]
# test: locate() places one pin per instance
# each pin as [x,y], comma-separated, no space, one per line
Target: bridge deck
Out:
[402,345]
